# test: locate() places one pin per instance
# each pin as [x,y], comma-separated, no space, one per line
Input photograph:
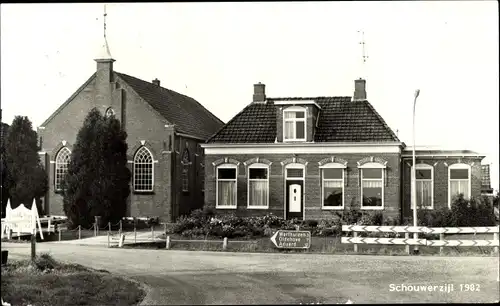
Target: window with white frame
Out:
[258,186]
[295,172]
[143,170]
[294,123]
[458,181]
[372,186]
[332,186]
[226,186]
[425,186]
[63,158]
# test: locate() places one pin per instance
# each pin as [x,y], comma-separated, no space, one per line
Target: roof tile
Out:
[340,120]
[186,113]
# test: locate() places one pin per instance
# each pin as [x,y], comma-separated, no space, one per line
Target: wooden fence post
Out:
[407,247]
[441,238]
[165,228]
[121,227]
[135,234]
[109,227]
[495,237]
[152,233]
[33,245]
[355,234]
[108,239]
[224,243]
[79,232]
[59,230]
[167,246]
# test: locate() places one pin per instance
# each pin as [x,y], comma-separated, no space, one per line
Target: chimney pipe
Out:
[359,90]
[156,82]
[259,92]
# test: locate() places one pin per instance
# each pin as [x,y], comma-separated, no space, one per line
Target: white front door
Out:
[294,198]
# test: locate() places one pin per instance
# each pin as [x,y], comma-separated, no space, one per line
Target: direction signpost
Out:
[284,239]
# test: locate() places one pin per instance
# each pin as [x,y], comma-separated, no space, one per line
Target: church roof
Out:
[187,114]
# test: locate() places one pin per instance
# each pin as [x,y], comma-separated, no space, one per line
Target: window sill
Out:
[372,208]
[294,140]
[143,192]
[332,207]
[225,207]
[257,207]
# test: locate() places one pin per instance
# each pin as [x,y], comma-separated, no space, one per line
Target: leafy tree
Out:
[3,173]
[26,177]
[97,181]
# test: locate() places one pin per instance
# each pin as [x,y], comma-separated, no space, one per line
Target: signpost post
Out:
[33,245]
[291,239]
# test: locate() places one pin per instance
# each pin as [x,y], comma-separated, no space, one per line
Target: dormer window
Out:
[294,124]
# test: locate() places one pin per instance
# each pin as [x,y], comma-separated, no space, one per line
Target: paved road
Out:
[187,277]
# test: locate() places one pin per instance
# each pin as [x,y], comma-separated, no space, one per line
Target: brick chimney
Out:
[259,92]
[156,82]
[359,90]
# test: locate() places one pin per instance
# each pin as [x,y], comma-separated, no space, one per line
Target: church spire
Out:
[104,53]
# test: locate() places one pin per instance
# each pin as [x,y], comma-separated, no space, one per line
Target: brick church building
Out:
[165,130]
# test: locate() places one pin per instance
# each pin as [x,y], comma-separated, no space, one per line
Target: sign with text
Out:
[292,239]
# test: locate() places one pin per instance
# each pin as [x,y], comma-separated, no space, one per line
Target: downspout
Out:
[401,188]
[316,125]
[173,185]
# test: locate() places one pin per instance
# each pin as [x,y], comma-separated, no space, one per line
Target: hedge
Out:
[203,223]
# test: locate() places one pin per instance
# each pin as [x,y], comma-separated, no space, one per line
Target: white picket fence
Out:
[407,230]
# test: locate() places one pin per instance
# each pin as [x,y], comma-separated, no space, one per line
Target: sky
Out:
[215,52]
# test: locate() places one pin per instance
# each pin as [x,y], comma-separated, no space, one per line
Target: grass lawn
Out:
[48,282]
[330,245]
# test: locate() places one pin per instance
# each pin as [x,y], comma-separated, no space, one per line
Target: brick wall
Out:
[193,197]
[143,123]
[312,189]
[440,179]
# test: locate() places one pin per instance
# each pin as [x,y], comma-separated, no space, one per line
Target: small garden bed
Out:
[206,223]
[202,227]
[48,282]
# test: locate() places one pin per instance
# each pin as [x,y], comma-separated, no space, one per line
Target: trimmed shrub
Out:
[390,221]
[473,212]
[350,216]
[371,218]
[441,217]
[186,223]
[463,213]
[328,228]
[311,223]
